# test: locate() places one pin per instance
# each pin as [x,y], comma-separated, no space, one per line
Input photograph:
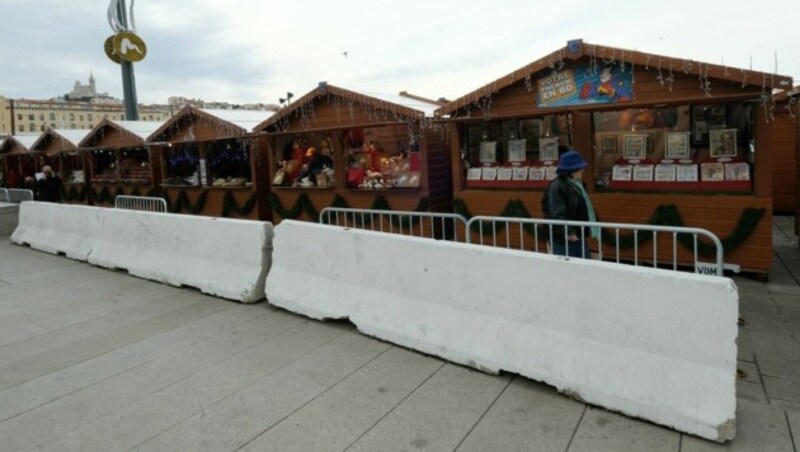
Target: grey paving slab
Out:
[52,318]
[744,346]
[336,418]
[779,366]
[751,392]
[603,430]
[751,371]
[788,302]
[777,346]
[96,407]
[783,388]
[438,415]
[759,427]
[793,418]
[166,407]
[48,388]
[151,304]
[232,422]
[528,416]
[65,355]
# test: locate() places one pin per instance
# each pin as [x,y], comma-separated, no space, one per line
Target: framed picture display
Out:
[504,173]
[677,146]
[705,118]
[516,150]
[737,171]
[635,147]
[474,134]
[520,173]
[488,152]
[548,149]
[550,172]
[510,130]
[713,172]
[474,174]
[643,173]
[665,173]
[530,129]
[686,173]
[622,172]
[536,173]
[489,173]
[722,143]
[608,144]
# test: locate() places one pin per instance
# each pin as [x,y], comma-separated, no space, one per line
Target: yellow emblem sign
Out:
[129,47]
[111,53]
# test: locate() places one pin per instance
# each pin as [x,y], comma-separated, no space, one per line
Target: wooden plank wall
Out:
[518,100]
[784,163]
[214,199]
[439,176]
[331,112]
[716,214]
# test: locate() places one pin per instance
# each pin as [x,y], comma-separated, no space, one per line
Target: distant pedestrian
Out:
[566,199]
[49,187]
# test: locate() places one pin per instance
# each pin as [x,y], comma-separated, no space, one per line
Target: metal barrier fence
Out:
[511,233]
[644,244]
[434,225]
[15,195]
[142,203]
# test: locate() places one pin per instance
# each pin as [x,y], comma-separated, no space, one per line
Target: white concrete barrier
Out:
[649,343]
[222,257]
[58,229]
[9,217]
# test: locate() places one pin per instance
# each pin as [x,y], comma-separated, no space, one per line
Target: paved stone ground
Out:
[92,359]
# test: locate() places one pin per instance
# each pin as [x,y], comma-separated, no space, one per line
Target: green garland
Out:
[664,215]
[229,204]
[304,204]
[73,194]
[183,202]
[669,215]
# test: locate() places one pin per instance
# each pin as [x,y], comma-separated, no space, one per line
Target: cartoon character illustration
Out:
[607,87]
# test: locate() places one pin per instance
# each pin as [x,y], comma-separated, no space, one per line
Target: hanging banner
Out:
[581,85]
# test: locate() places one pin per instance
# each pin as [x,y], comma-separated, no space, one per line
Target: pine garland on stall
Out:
[664,215]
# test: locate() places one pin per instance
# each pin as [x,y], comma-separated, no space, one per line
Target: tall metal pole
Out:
[128,78]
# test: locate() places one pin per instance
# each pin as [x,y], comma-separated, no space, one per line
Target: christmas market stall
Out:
[210,165]
[59,149]
[19,163]
[669,141]
[118,162]
[335,147]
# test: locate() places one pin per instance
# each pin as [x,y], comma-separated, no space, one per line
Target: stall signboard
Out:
[584,85]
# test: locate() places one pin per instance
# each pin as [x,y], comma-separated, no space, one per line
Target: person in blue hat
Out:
[566,199]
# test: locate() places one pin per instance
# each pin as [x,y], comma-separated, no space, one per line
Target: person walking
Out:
[49,188]
[566,199]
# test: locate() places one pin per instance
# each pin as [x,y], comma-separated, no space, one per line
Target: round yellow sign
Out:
[111,53]
[129,46]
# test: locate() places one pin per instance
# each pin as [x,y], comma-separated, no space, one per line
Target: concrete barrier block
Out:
[653,344]
[222,257]
[57,228]
[9,218]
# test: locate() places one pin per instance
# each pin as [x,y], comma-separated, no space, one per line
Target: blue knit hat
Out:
[571,161]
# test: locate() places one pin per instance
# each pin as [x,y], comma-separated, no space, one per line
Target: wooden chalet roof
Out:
[131,133]
[577,49]
[392,110]
[66,140]
[18,144]
[189,115]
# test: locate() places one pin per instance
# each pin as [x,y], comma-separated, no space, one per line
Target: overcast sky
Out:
[246,51]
